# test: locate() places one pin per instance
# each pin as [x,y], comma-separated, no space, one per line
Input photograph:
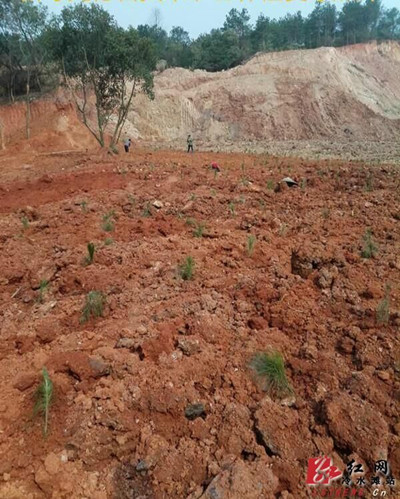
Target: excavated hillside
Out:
[345,95]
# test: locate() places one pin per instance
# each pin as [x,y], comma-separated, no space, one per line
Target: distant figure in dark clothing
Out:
[127,145]
[189,143]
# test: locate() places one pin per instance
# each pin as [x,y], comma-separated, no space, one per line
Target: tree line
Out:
[238,39]
[86,50]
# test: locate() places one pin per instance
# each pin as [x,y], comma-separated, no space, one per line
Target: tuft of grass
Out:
[369,249]
[43,400]
[193,197]
[94,306]
[108,241]
[25,222]
[199,230]
[303,183]
[43,286]
[108,221]
[251,241]
[90,256]
[383,309]
[186,269]
[146,213]
[270,185]
[269,369]
[83,205]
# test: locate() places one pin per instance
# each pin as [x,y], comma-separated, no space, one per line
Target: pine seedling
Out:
[186,269]
[251,241]
[369,249]
[90,256]
[199,230]
[147,211]
[232,208]
[43,285]
[270,185]
[94,306]
[269,370]
[108,221]
[190,221]
[383,309]
[369,183]
[43,400]
[326,213]
[25,222]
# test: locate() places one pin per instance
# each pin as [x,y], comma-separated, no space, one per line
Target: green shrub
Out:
[269,369]
[108,241]
[94,306]
[43,399]
[186,269]
[270,185]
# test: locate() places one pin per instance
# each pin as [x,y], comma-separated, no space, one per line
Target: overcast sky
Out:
[196,16]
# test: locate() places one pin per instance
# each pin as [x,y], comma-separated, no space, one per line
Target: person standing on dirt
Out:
[189,143]
[127,144]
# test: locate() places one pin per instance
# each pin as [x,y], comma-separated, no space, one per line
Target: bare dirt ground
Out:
[123,381]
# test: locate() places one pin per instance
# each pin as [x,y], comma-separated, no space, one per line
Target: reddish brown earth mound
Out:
[122,382]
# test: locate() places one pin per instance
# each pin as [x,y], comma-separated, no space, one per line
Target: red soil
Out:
[122,382]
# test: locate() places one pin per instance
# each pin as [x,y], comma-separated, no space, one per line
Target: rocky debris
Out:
[158,204]
[272,424]
[193,411]
[301,265]
[243,480]
[79,365]
[326,276]
[25,381]
[350,421]
[289,182]
[188,346]
[129,343]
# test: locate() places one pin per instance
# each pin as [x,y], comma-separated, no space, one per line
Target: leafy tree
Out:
[389,25]
[97,56]
[217,50]
[321,26]
[179,50]
[22,55]
[238,23]
[261,35]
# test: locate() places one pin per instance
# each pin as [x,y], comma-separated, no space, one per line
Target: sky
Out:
[196,16]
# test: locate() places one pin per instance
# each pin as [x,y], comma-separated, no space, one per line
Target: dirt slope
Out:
[123,382]
[328,93]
